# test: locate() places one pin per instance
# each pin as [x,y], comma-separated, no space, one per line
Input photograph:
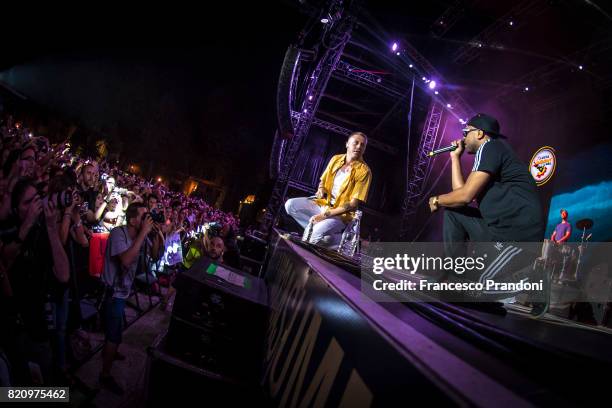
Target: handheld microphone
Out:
[442,150]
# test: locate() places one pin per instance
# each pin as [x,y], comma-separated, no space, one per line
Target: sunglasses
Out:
[466,131]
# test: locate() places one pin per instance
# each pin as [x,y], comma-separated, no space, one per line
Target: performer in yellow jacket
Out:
[344,183]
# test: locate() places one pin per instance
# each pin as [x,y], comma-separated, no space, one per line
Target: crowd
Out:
[70,226]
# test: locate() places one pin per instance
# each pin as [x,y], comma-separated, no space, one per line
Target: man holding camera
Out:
[124,250]
[38,264]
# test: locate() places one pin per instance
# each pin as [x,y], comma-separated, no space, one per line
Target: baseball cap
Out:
[487,124]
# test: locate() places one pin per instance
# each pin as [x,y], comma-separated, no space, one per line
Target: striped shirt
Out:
[478,155]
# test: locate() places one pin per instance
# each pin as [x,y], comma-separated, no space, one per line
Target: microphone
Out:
[442,150]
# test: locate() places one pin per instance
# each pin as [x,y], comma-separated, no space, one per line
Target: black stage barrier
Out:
[329,345]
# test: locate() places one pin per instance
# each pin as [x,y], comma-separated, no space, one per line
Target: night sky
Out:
[200,103]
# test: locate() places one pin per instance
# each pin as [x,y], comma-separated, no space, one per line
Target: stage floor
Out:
[542,361]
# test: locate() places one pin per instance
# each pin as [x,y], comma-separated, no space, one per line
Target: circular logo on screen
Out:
[542,165]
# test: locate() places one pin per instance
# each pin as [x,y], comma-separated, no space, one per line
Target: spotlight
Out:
[305,110]
[511,23]
[479,45]
[159,179]
[410,66]
[436,92]
[329,18]
[394,47]
[432,84]
[397,53]
[526,89]
[580,67]
[310,98]
[424,79]
[449,106]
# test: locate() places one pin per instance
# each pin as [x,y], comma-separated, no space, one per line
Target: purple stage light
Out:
[432,84]
[394,47]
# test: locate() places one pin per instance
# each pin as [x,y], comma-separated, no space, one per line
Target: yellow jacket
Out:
[356,184]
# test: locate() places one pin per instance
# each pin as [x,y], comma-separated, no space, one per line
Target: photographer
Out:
[125,248]
[40,262]
[70,201]
[73,238]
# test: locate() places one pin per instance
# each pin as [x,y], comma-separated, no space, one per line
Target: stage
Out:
[327,343]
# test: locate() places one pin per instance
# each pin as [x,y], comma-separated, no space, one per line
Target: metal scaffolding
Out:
[338,35]
[420,167]
[332,127]
[366,78]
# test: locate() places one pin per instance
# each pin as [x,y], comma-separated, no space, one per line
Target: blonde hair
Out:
[358,134]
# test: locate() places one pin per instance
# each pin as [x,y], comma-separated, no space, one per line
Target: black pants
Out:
[466,223]
[460,225]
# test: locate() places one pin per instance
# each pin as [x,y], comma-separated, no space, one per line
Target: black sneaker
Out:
[110,384]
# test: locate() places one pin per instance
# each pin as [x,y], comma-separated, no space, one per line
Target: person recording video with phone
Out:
[125,248]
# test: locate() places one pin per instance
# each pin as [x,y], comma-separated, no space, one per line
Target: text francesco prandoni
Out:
[413,264]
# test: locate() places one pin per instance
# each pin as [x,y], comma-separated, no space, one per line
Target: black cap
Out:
[487,124]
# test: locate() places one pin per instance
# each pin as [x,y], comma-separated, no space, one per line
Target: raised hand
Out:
[147,224]
[460,148]
[51,212]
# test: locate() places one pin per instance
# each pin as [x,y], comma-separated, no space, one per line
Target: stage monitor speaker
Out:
[218,318]
[174,382]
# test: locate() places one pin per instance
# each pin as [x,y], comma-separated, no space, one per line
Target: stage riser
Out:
[315,338]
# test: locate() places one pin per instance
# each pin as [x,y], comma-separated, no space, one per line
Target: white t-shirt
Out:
[338,181]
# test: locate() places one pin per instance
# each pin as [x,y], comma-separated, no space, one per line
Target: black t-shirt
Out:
[34,283]
[509,204]
[89,196]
